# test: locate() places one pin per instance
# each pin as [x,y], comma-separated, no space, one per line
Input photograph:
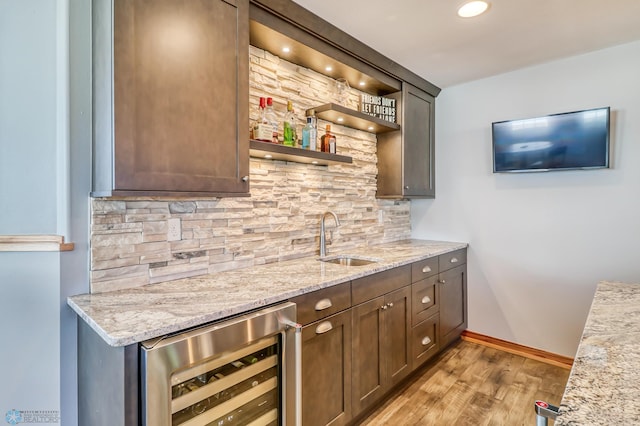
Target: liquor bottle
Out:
[272,119]
[262,130]
[328,141]
[289,126]
[310,133]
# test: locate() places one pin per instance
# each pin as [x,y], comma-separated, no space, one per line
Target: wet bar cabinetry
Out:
[168,119]
[363,337]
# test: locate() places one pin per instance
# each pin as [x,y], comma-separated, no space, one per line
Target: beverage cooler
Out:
[243,371]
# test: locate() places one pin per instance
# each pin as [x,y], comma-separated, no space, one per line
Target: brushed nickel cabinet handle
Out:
[390,304]
[384,307]
[454,260]
[323,304]
[425,341]
[442,281]
[426,300]
[245,178]
[426,269]
[323,327]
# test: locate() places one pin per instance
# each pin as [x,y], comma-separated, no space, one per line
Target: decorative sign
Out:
[379,107]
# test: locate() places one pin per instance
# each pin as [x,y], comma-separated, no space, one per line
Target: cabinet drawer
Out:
[424,296]
[322,303]
[372,286]
[424,268]
[424,340]
[453,259]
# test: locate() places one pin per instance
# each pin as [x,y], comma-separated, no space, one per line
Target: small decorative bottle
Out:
[262,130]
[328,141]
[289,126]
[309,135]
[272,119]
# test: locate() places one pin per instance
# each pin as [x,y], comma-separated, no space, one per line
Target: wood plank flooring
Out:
[471,384]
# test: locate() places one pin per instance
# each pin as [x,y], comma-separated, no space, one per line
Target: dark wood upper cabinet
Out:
[171,97]
[406,158]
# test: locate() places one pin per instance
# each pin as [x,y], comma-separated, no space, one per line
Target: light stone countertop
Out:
[130,316]
[604,383]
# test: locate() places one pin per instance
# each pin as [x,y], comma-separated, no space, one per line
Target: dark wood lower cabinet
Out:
[453,304]
[381,357]
[388,325]
[326,379]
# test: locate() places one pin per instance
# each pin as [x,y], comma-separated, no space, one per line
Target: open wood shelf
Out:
[351,118]
[272,151]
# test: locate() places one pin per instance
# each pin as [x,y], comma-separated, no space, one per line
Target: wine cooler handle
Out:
[298,368]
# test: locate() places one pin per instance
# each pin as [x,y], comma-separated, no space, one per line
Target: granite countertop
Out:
[129,316]
[604,383]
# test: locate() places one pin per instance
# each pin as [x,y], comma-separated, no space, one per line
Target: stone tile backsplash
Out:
[130,238]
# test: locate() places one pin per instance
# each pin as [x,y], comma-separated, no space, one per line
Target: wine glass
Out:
[342,90]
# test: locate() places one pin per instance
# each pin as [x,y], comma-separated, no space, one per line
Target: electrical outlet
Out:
[174,233]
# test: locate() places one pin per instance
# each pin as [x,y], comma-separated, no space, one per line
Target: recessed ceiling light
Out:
[286,49]
[472,8]
[328,68]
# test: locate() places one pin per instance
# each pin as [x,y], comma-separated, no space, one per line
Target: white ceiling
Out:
[427,37]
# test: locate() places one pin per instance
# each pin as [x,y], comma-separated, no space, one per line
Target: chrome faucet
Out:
[323,241]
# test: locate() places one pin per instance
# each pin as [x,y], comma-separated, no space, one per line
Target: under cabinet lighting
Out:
[286,49]
[370,128]
[340,119]
[328,68]
[472,8]
[362,83]
[314,162]
[268,156]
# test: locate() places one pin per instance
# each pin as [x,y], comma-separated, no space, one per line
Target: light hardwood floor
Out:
[471,384]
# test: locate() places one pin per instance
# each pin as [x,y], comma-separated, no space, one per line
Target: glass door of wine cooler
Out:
[240,388]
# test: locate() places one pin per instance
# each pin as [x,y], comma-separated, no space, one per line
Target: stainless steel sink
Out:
[347,260]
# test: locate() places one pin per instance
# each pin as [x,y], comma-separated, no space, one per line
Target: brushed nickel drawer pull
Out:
[454,260]
[426,299]
[323,327]
[442,282]
[426,269]
[323,304]
[425,341]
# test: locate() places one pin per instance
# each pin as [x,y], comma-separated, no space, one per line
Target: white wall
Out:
[539,242]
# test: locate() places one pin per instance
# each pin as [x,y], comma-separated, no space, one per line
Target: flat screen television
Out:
[567,141]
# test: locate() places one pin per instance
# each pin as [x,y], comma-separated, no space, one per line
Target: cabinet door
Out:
[181,96]
[326,371]
[368,356]
[397,328]
[418,143]
[453,304]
